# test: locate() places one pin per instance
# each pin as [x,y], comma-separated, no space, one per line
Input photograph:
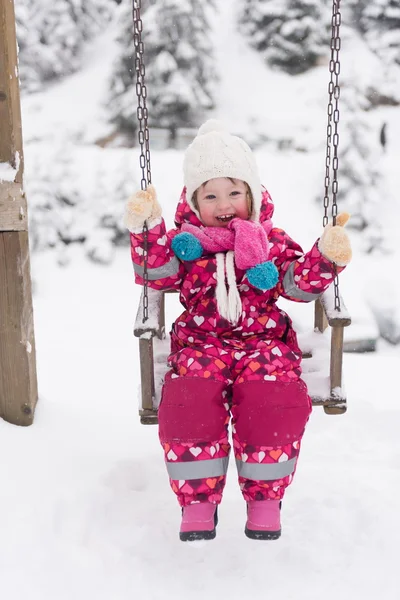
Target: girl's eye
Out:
[210,197]
[235,193]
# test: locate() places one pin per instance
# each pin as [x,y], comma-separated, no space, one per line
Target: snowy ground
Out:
[86,506]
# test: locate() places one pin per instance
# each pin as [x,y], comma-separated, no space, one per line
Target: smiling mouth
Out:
[225,218]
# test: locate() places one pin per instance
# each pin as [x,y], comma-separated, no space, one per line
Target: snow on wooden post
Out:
[18,382]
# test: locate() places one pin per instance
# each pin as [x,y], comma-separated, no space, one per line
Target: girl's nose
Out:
[224,202]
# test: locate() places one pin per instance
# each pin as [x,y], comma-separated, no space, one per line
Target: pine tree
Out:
[179,68]
[51,36]
[291,34]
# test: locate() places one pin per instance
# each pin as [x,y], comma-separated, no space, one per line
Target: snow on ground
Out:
[86,506]
[86,502]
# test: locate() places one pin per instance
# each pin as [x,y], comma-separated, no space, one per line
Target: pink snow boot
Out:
[199,521]
[263,520]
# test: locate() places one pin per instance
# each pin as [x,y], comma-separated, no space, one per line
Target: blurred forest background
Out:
[60,39]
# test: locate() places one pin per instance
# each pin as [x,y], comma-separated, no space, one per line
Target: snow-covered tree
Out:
[352,11]
[380,22]
[179,65]
[361,189]
[34,58]
[292,35]
[51,36]
[71,207]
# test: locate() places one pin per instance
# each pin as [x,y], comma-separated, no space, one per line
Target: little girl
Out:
[234,354]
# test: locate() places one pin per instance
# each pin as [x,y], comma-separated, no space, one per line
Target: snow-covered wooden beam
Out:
[326,313]
[10,106]
[18,380]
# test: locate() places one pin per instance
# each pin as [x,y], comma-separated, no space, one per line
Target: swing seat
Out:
[322,364]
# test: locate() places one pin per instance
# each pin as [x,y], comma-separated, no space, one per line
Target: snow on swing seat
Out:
[322,354]
[315,347]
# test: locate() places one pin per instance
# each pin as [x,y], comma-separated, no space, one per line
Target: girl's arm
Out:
[305,276]
[164,270]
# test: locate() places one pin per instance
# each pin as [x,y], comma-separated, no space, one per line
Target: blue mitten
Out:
[263,276]
[186,246]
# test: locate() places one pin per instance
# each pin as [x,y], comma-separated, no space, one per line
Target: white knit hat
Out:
[216,153]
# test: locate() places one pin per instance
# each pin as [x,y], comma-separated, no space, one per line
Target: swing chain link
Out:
[332,141]
[143,135]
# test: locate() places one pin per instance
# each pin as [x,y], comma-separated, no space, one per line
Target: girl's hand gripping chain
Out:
[142,206]
[334,243]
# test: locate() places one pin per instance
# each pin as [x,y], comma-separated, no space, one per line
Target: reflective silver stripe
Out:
[265,471]
[170,268]
[197,469]
[291,289]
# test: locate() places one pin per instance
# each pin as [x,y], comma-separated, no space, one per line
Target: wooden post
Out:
[147,413]
[332,408]
[18,381]
[320,320]
[336,357]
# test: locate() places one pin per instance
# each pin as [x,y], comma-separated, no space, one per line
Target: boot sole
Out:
[262,535]
[194,536]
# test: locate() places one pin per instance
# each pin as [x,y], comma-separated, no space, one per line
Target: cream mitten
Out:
[334,243]
[142,206]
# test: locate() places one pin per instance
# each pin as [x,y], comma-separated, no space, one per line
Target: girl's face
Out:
[222,199]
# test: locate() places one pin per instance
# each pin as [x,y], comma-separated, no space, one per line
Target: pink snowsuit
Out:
[249,372]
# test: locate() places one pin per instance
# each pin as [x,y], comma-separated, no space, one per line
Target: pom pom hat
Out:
[216,153]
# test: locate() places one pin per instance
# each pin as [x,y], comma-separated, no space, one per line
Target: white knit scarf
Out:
[229,302]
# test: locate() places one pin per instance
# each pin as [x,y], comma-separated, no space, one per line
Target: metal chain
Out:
[332,141]
[143,135]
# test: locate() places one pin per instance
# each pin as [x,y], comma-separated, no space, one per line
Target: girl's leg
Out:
[269,418]
[193,419]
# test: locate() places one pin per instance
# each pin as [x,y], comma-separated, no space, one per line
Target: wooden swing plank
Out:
[320,320]
[335,317]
